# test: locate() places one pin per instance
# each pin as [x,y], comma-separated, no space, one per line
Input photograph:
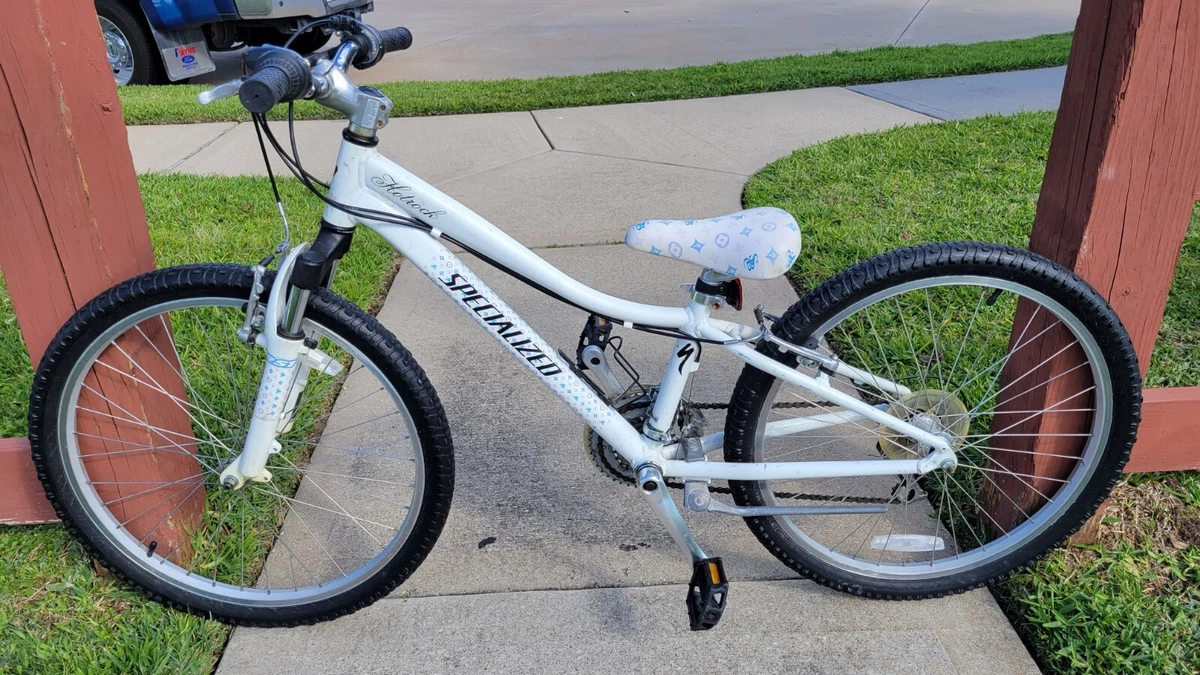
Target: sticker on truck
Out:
[187,60]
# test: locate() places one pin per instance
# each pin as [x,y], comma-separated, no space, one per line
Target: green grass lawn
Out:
[1131,603]
[56,613]
[176,104]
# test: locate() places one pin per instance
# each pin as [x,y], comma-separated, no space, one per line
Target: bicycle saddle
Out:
[754,244]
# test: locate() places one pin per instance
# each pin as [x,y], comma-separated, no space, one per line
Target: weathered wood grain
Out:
[75,225]
[1120,185]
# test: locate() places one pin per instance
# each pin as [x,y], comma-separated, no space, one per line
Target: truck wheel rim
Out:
[120,56]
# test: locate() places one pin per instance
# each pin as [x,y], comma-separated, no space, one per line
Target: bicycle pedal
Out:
[707,592]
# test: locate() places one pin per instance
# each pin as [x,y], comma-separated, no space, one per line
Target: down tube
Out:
[449,274]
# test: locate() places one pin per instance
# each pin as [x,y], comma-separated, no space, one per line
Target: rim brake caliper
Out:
[253,323]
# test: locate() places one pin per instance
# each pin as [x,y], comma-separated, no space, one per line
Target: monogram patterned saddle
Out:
[754,244]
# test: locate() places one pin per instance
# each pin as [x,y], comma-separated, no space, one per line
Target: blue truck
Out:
[161,41]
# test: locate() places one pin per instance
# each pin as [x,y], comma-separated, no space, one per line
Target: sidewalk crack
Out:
[910,23]
[214,139]
[903,103]
[442,183]
[773,578]
[651,161]
[539,127]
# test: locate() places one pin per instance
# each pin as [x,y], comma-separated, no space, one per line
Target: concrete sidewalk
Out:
[956,98]
[545,564]
[734,135]
[771,627]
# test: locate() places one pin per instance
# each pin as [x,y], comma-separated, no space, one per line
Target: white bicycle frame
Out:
[366,179]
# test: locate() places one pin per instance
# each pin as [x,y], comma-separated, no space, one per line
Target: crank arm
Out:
[654,489]
[597,362]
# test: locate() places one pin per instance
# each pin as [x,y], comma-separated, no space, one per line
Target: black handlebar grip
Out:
[280,75]
[264,89]
[396,39]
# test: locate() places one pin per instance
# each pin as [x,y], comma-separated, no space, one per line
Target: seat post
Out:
[716,289]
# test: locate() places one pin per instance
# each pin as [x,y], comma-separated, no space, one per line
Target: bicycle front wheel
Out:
[145,396]
[1016,361]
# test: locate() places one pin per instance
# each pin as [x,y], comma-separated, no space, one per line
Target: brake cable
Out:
[283,246]
[293,163]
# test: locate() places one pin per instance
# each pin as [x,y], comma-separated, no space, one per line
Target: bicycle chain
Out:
[601,461]
[790,404]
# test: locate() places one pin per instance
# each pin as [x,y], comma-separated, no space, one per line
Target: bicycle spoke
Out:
[300,517]
[337,497]
[158,486]
[967,333]
[953,347]
[177,371]
[183,404]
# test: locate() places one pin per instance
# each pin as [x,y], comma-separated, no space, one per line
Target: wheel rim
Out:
[288,552]
[116,47]
[882,536]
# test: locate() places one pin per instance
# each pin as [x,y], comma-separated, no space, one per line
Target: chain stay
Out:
[600,459]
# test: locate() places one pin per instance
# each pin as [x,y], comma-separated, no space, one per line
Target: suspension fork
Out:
[291,354]
[279,378]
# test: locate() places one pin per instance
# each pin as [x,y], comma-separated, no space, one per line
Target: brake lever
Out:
[220,91]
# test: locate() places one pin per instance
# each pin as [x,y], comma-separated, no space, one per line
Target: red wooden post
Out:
[73,226]
[22,501]
[1121,181]
[1169,436]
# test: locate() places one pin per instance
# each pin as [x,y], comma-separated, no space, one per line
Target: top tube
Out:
[378,180]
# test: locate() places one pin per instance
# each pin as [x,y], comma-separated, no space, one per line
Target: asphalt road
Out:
[492,39]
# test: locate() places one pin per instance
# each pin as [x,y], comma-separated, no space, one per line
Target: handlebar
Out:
[278,75]
[265,89]
[373,44]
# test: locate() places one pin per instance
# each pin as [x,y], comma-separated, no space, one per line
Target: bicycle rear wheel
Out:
[1015,360]
[145,396]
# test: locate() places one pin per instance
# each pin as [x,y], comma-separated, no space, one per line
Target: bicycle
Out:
[922,423]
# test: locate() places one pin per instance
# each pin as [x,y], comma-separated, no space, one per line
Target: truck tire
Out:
[130,47]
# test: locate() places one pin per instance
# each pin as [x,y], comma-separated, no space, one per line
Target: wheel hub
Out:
[116,47]
[933,410]
[233,476]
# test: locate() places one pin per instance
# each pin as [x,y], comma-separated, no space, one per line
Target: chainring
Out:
[634,405]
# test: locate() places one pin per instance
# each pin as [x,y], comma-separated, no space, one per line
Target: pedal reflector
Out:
[707,593]
[714,572]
